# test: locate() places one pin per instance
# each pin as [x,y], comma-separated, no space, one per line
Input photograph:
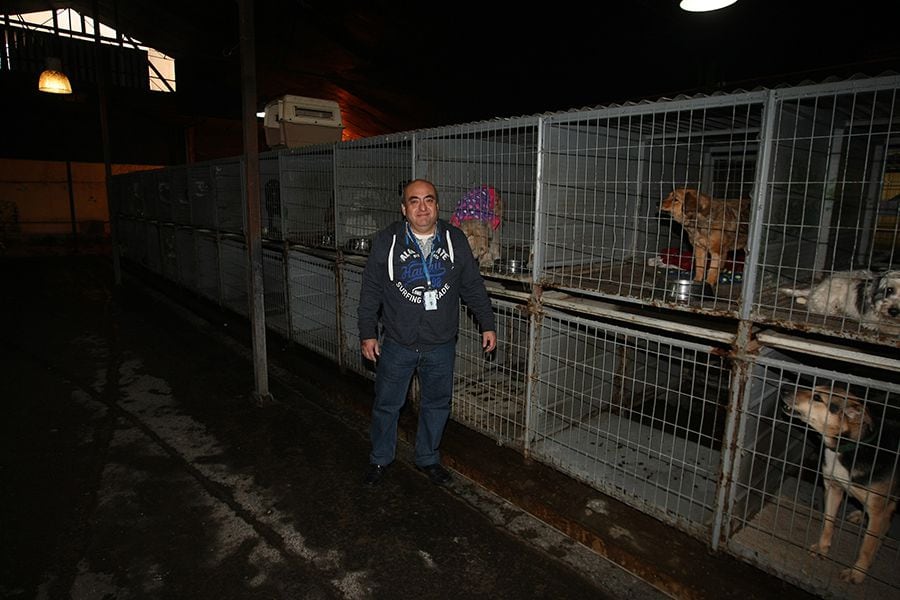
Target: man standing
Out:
[417,272]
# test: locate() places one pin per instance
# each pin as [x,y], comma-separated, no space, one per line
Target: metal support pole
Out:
[107,154]
[72,217]
[254,241]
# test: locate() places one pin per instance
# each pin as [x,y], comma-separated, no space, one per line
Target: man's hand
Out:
[370,349]
[489,340]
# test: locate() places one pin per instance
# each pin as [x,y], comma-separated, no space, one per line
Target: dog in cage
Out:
[479,214]
[715,228]
[871,298]
[860,459]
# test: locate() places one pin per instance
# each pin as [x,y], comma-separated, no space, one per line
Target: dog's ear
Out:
[703,203]
[857,413]
[885,285]
[853,413]
[690,203]
[879,288]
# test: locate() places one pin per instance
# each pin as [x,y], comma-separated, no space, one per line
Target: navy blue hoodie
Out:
[394,281]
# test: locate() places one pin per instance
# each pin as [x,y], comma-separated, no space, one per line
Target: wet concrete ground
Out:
[135,465]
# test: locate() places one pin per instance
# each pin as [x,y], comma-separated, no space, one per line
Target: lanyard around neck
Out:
[411,236]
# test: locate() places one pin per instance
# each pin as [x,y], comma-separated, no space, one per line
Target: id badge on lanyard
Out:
[430,299]
[429,295]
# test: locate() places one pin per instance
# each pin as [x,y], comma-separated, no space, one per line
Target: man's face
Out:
[420,207]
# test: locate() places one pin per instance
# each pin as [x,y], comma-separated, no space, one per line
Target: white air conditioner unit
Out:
[294,121]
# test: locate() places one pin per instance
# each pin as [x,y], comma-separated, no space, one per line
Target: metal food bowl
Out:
[511,266]
[685,290]
[360,244]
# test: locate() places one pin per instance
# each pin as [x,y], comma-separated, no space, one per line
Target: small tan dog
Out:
[715,228]
[479,214]
[860,459]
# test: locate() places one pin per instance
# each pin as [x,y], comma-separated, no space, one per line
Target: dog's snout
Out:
[894,311]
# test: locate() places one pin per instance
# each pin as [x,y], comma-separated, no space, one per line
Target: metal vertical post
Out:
[254,242]
[285,255]
[104,135]
[72,217]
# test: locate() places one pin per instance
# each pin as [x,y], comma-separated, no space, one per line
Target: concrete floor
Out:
[135,465]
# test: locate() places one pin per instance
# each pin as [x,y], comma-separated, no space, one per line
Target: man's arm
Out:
[370,296]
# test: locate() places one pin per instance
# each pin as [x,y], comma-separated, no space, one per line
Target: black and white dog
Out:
[866,296]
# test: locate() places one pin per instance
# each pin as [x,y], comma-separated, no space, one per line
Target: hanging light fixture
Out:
[53,80]
[704,5]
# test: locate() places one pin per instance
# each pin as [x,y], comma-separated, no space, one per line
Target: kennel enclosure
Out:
[670,405]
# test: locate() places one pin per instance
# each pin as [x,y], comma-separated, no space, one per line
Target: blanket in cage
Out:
[478,204]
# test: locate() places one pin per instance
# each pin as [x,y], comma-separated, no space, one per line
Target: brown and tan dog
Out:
[484,241]
[715,228]
[479,214]
[860,458]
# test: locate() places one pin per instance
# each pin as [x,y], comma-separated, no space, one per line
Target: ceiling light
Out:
[704,5]
[53,80]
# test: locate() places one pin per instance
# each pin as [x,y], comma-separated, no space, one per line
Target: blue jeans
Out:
[394,371]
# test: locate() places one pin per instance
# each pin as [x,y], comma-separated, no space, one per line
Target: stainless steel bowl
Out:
[360,244]
[511,266]
[685,290]
[515,265]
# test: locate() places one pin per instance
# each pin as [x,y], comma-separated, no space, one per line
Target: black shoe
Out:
[374,474]
[436,473]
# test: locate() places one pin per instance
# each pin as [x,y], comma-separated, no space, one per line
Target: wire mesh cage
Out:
[153,258]
[270,208]
[145,193]
[168,252]
[307,182]
[185,257]
[489,390]
[802,186]
[147,198]
[351,284]
[778,502]
[830,240]
[207,280]
[202,191]
[274,290]
[606,222]
[173,203]
[229,185]
[122,203]
[131,193]
[313,302]
[486,175]
[636,415]
[234,267]
[140,247]
[370,175]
